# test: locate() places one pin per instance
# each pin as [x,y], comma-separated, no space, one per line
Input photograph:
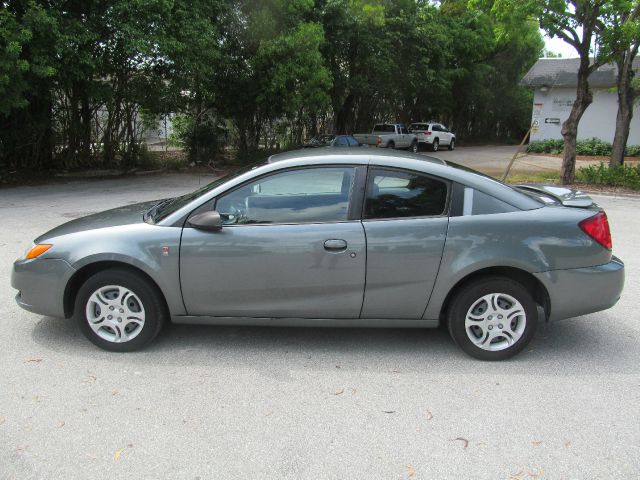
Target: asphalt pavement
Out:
[258,403]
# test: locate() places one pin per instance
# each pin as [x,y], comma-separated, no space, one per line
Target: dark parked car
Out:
[332,237]
[332,141]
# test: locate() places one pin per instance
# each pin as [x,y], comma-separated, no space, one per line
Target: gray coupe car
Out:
[348,238]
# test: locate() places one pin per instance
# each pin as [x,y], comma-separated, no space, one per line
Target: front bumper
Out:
[41,284]
[580,291]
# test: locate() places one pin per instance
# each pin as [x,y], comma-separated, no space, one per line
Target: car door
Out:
[291,245]
[446,134]
[405,136]
[405,218]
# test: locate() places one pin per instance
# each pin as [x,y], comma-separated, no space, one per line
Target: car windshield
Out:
[168,206]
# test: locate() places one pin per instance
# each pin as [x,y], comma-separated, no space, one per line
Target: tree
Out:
[580,24]
[28,64]
[621,39]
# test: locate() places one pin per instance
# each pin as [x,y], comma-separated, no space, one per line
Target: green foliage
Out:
[619,176]
[200,138]
[591,147]
[81,82]
[546,146]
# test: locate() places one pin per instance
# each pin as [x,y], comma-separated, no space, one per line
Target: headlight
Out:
[37,250]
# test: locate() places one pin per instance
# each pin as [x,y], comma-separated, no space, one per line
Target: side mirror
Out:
[208,221]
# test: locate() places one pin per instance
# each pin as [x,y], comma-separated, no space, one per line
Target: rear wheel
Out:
[414,147]
[391,145]
[452,144]
[492,318]
[435,145]
[119,310]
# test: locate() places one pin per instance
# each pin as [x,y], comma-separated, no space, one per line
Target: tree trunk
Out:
[626,97]
[343,114]
[584,98]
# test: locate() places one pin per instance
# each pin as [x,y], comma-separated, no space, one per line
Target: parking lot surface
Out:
[243,402]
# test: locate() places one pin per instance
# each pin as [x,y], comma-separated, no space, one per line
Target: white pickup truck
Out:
[389,135]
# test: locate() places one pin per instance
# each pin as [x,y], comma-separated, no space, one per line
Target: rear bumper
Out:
[41,284]
[580,291]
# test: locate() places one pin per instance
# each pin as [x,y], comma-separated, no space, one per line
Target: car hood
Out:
[127,215]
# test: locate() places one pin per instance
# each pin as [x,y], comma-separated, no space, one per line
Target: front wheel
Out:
[452,144]
[119,310]
[493,318]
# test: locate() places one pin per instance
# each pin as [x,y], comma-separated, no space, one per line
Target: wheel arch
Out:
[526,279]
[82,274]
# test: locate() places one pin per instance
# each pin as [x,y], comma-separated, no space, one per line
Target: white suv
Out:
[434,135]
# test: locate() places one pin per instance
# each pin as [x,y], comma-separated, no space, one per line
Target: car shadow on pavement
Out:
[575,346]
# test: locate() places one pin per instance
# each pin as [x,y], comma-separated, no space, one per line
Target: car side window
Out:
[404,130]
[353,142]
[398,194]
[308,195]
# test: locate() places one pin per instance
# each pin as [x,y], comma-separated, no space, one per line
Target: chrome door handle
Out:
[335,245]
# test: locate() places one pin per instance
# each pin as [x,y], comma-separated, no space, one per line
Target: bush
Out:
[619,176]
[591,147]
[632,151]
[546,146]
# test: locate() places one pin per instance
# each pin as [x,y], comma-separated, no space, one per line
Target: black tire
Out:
[391,145]
[435,145]
[154,307]
[414,147]
[452,144]
[470,295]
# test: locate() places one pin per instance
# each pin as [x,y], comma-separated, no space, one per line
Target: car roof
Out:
[366,153]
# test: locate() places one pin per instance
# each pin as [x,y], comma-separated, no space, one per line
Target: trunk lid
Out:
[556,194]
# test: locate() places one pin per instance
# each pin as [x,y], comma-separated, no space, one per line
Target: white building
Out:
[554,82]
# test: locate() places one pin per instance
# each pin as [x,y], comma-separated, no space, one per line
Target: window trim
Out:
[355,197]
[447,205]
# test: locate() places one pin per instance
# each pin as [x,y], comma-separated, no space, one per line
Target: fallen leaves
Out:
[536,443]
[61,424]
[388,411]
[464,441]
[520,475]
[339,392]
[2,420]
[33,360]
[429,415]
[537,473]
[118,454]
[90,378]
[410,471]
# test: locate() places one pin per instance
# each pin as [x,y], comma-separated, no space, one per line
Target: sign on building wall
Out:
[535,121]
[561,104]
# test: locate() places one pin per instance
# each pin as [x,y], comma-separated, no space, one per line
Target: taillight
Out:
[427,133]
[597,227]
[379,141]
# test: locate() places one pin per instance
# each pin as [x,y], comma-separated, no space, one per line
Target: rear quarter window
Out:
[478,203]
